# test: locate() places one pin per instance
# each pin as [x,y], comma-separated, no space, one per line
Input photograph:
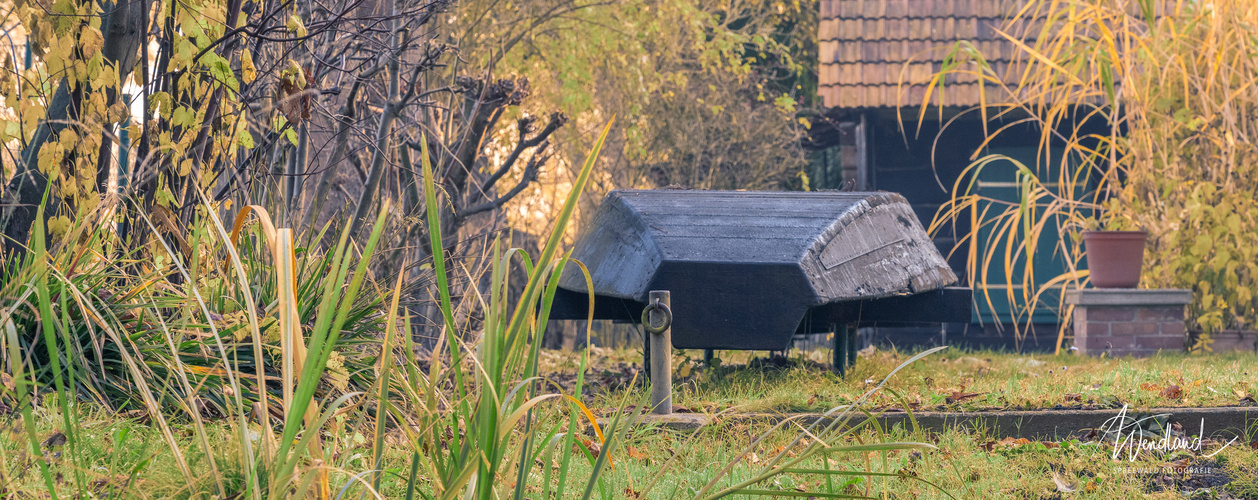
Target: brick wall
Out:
[1233,340]
[1129,330]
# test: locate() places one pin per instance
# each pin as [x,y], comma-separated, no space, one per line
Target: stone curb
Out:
[1217,422]
[1228,421]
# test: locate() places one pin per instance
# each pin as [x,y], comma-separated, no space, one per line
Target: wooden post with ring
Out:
[657,320]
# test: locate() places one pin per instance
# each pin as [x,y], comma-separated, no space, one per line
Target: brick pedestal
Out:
[1128,321]
[1234,340]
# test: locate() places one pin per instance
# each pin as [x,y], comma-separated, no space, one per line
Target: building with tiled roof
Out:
[875,59]
[881,53]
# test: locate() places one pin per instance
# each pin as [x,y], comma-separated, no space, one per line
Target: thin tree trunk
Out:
[296,169]
[391,109]
[121,23]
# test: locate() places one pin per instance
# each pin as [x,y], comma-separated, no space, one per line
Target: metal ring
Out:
[646,317]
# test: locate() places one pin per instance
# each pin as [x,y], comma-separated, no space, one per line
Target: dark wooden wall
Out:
[923,167]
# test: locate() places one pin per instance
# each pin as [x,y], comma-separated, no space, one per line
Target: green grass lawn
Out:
[964,465]
[954,379]
[126,458]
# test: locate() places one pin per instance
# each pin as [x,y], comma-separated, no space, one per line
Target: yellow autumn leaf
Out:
[294,74]
[58,226]
[106,78]
[11,129]
[119,111]
[90,40]
[271,332]
[69,189]
[97,104]
[30,120]
[89,203]
[295,26]
[49,157]
[248,72]
[68,138]
[336,374]
[78,72]
[54,63]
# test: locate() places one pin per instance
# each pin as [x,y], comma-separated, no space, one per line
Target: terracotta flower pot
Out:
[1115,257]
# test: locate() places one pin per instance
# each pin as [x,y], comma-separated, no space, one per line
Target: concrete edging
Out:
[1228,421]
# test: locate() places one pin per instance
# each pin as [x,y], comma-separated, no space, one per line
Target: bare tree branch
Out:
[539,158]
[525,125]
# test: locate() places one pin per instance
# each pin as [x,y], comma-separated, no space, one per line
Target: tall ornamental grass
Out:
[244,378]
[1145,113]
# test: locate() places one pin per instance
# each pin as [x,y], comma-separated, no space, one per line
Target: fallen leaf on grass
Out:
[753,459]
[1172,392]
[958,396]
[682,409]
[140,416]
[1061,483]
[595,447]
[1074,397]
[1008,442]
[55,439]
[781,449]
[635,454]
[1150,386]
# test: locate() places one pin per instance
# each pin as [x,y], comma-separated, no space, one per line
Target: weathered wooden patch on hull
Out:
[876,249]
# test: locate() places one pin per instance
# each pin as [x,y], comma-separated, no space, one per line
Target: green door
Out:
[999,181]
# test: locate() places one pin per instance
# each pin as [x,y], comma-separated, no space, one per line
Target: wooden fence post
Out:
[658,325]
